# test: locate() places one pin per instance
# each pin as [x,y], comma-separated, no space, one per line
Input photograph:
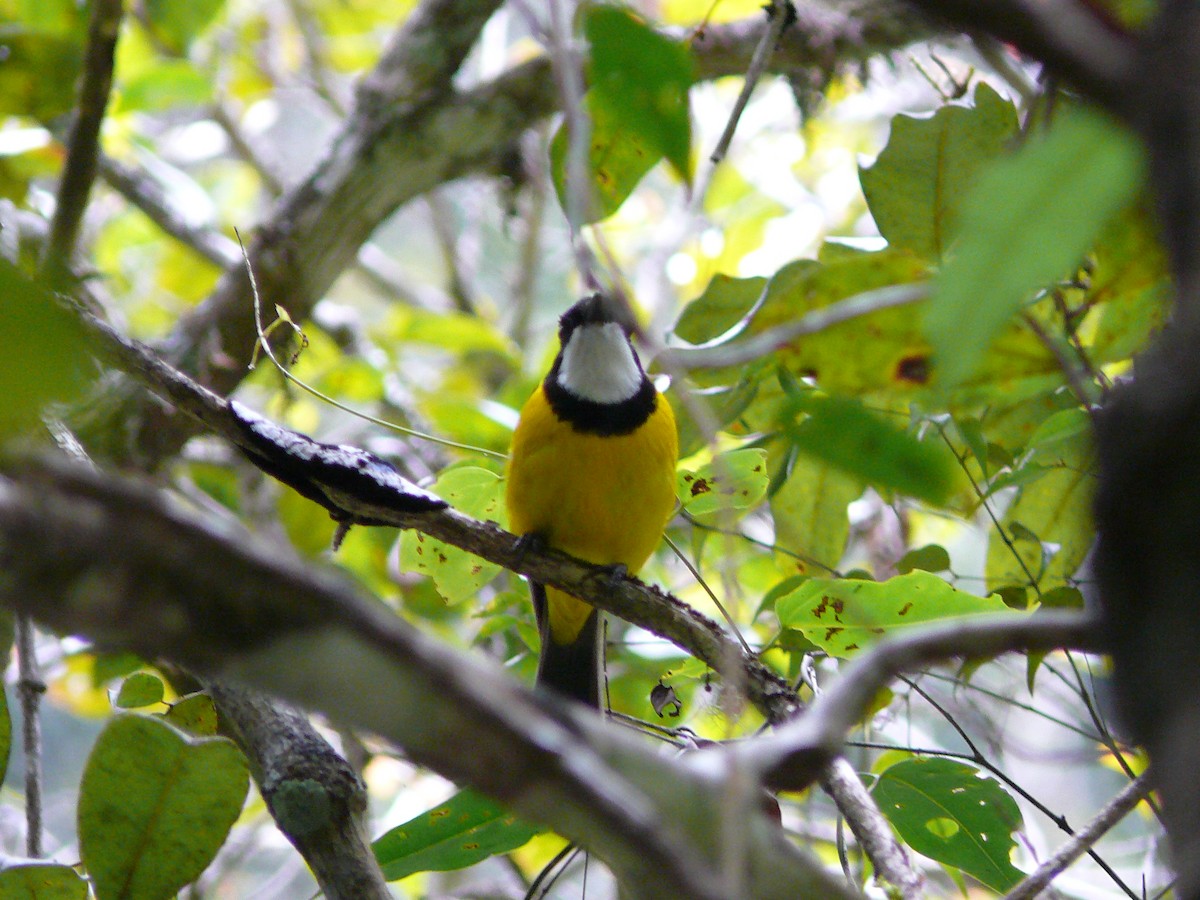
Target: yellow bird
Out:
[592,473]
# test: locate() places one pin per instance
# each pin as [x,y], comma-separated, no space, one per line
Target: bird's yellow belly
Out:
[603,499]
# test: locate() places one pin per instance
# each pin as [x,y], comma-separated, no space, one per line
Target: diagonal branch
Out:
[1083,840]
[789,758]
[83,140]
[87,554]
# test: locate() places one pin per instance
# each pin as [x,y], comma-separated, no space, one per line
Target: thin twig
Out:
[781,14]
[1083,840]
[735,353]
[30,687]
[83,140]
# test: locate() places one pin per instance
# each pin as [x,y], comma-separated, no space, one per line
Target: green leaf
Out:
[42,882]
[644,75]
[1027,222]
[43,352]
[811,522]
[140,689]
[617,161]
[930,558]
[194,713]
[464,830]
[107,666]
[724,303]
[845,434]
[1049,525]
[733,480]
[918,181]
[637,107]
[842,616]
[155,806]
[166,84]
[1129,285]
[457,574]
[178,24]
[38,72]
[944,810]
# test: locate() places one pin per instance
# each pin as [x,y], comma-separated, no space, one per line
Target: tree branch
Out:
[83,140]
[109,559]
[790,758]
[313,795]
[1082,841]
[649,607]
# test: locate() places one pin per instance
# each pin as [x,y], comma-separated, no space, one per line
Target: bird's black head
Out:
[595,309]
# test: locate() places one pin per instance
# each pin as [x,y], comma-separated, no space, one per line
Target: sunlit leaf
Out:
[140,689]
[916,185]
[155,806]
[1028,221]
[638,111]
[1049,526]
[844,615]
[464,830]
[458,575]
[645,75]
[733,480]
[943,809]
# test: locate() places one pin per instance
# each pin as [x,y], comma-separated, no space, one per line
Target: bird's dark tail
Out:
[572,670]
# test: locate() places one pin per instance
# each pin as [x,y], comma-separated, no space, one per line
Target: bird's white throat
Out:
[598,364]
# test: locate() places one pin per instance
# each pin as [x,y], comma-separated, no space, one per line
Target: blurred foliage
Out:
[915,463]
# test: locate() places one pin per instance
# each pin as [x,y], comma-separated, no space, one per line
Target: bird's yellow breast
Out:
[604,499]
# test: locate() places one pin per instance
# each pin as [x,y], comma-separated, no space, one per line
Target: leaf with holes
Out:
[464,830]
[943,809]
[736,480]
[843,615]
[457,574]
[155,806]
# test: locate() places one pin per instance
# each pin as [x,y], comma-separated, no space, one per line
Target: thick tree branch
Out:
[83,140]
[90,555]
[316,799]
